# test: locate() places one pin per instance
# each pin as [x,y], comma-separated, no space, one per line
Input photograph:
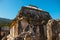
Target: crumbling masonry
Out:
[34,24]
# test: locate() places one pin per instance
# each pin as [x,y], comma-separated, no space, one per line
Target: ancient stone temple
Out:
[32,23]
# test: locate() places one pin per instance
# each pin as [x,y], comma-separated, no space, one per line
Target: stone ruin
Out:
[36,24]
[40,26]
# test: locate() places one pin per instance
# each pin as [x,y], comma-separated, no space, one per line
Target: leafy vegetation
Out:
[4,22]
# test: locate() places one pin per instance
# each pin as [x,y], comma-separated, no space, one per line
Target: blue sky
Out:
[9,8]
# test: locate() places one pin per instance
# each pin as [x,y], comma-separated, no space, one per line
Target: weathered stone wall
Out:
[36,25]
[49,31]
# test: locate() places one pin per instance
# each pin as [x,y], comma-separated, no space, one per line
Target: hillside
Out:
[4,21]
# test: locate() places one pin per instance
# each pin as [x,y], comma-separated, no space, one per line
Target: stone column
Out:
[49,30]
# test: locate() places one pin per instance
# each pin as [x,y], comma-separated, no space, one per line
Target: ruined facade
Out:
[32,23]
